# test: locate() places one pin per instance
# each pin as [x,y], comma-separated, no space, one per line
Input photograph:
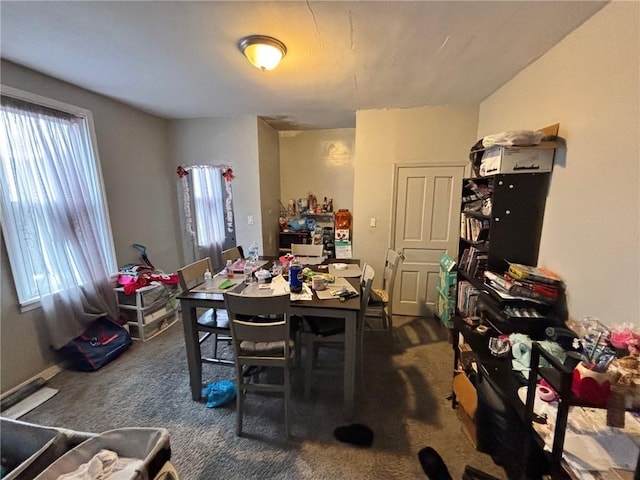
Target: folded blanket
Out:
[105,465]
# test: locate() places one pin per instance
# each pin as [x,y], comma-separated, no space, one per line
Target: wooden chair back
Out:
[261,341]
[233,254]
[365,293]
[306,250]
[391,263]
[368,273]
[241,306]
[193,274]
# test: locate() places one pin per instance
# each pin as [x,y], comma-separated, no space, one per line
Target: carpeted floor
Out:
[407,377]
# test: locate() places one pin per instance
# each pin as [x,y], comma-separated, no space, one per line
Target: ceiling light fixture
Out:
[263,52]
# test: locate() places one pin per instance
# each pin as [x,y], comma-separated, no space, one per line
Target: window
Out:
[207,201]
[53,209]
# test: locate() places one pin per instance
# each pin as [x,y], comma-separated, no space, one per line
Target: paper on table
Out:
[305,294]
[350,270]
[601,452]
[589,444]
[335,287]
[265,290]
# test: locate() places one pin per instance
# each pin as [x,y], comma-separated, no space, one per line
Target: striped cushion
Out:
[263,348]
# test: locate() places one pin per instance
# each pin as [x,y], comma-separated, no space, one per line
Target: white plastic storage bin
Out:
[537,159]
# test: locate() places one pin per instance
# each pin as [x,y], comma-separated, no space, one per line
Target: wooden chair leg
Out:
[308,368]
[287,394]
[239,401]
[215,345]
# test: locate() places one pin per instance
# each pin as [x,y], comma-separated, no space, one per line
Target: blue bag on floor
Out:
[219,393]
[101,343]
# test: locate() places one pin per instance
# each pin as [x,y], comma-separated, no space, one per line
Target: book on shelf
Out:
[464,260]
[473,229]
[467,298]
[534,274]
[474,261]
[509,291]
[539,289]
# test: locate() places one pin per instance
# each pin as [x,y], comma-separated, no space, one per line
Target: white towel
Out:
[104,465]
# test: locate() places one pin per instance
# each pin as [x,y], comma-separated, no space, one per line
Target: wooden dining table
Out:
[329,308]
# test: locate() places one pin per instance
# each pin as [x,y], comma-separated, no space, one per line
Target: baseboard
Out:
[47,374]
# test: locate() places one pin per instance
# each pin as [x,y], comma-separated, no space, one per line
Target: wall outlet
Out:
[250,219]
[372,222]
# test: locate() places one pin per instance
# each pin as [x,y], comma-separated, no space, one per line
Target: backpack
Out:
[101,343]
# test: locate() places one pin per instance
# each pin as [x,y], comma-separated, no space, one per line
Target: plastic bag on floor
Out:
[219,393]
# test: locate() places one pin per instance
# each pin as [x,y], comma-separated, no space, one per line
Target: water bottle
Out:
[229,269]
[208,279]
[248,271]
[253,252]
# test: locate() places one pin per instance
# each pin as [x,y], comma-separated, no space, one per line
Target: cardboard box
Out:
[467,399]
[469,426]
[466,394]
[536,159]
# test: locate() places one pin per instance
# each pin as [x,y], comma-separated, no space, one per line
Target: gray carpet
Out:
[407,377]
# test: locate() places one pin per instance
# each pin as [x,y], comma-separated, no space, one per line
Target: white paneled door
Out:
[426,225]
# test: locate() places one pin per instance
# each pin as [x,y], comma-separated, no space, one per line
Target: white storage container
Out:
[499,159]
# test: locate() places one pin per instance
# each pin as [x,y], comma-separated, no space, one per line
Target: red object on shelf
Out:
[589,386]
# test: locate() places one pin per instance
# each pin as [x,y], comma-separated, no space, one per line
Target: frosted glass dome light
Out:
[263,52]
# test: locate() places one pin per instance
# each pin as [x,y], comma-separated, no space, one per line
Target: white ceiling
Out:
[180,59]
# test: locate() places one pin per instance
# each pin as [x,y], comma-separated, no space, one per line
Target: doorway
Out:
[426,224]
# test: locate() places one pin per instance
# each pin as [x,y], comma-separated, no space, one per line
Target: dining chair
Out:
[261,332]
[381,302]
[212,322]
[307,250]
[331,330]
[233,254]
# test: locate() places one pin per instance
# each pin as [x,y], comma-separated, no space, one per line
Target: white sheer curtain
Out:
[206,184]
[55,221]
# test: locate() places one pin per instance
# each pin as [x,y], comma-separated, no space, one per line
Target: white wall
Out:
[224,141]
[384,138]
[134,154]
[269,161]
[320,162]
[590,84]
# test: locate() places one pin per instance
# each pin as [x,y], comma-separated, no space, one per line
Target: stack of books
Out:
[467,298]
[528,282]
[474,261]
[473,229]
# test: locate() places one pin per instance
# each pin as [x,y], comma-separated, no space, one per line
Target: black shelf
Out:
[511,233]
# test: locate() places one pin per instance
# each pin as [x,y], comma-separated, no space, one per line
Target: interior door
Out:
[427,224]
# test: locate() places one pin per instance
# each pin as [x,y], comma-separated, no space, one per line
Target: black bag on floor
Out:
[102,342]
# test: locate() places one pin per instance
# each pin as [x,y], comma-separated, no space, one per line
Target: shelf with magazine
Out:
[500,222]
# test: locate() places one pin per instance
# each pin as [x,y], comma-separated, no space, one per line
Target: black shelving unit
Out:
[507,231]
[515,221]
[501,218]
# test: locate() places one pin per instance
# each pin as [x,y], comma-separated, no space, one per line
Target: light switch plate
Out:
[250,219]
[372,222]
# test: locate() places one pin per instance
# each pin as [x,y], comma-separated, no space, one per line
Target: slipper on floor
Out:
[355,434]
[433,465]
